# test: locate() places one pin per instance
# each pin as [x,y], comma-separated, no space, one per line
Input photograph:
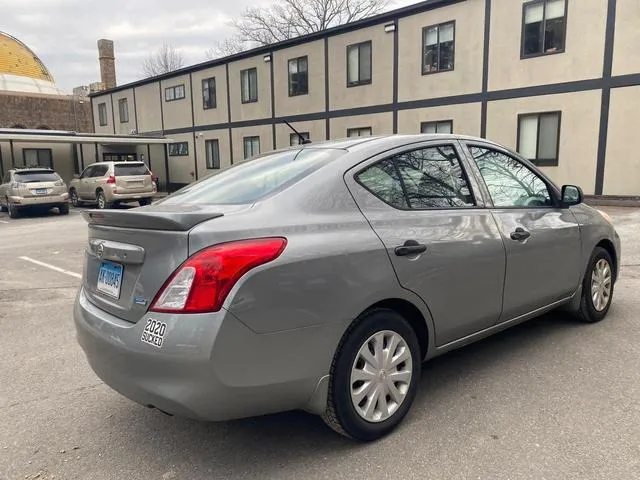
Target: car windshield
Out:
[36,176]
[129,169]
[253,180]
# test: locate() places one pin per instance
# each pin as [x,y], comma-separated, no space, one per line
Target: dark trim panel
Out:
[485,68]
[226,68]
[327,105]
[396,73]
[193,124]
[161,109]
[273,99]
[135,109]
[113,115]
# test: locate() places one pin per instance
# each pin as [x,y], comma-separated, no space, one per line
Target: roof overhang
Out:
[57,136]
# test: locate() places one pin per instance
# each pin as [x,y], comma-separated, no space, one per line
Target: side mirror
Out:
[571,195]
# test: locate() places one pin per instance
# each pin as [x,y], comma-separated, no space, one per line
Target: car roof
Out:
[390,141]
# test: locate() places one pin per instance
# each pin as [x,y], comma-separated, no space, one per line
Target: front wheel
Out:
[597,287]
[374,376]
[145,201]
[75,201]
[64,209]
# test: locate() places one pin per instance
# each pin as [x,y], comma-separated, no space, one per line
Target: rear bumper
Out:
[210,367]
[43,200]
[123,197]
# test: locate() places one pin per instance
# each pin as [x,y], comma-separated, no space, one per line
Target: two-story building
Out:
[557,80]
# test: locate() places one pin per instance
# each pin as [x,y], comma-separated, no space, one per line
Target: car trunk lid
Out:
[132,177]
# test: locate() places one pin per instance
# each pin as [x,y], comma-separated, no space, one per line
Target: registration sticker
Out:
[153,333]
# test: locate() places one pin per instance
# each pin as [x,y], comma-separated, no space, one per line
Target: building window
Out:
[212,149]
[298,76]
[544,27]
[37,157]
[443,126]
[123,110]
[539,137]
[209,93]
[251,146]
[249,85]
[102,114]
[294,138]
[359,64]
[438,47]
[180,149]
[359,132]
[174,93]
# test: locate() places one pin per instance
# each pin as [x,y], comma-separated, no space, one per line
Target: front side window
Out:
[544,27]
[359,132]
[212,149]
[174,93]
[438,46]
[539,137]
[179,149]
[37,157]
[102,114]
[298,76]
[359,64]
[444,126]
[249,85]
[208,93]
[510,182]
[123,110]
[294,138]
[251,147]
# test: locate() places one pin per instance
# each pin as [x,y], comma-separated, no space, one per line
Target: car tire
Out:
[145,201]
[13,211]
[101,200]
[64,209]
[73,196]
[368,419]
[597,287]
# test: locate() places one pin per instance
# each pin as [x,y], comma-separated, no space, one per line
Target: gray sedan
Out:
[321,277]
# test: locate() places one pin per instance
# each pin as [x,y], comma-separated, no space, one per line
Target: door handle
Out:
[410,247]
[520,234]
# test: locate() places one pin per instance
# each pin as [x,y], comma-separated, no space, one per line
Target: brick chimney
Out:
[107,63]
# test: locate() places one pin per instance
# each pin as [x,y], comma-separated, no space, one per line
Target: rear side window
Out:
[32,177]
[252,180]
[131,169]
[99,170]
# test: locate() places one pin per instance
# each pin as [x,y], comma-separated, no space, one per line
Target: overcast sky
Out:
[63,33]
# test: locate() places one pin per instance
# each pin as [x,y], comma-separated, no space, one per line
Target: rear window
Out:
[250,181]
[32,177]
[131,169]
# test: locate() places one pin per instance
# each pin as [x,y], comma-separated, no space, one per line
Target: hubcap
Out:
[381,376]
[100,201]
[601,280]
[74,198]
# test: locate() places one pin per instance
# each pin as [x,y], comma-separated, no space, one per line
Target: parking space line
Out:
[51,267]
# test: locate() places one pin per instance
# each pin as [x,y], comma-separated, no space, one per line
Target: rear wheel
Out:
[374,376]
[64,209]
[145,201]
[101,200]
[597,287]
[13,210]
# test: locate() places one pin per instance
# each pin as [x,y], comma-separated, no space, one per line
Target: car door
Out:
[444,246]
[82,184]
[542,239]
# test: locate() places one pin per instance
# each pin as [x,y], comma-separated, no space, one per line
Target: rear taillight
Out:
[203,282]
[111,179]
[154,178]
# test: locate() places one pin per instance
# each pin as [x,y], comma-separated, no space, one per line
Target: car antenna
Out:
[303,141]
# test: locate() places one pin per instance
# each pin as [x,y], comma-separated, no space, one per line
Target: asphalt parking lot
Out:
[550,399]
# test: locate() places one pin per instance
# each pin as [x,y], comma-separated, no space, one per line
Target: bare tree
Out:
[292,18]
[166,59]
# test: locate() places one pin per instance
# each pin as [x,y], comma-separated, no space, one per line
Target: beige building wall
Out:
[316,129]
[579,128]
[61,154]
[176,113]
[148,108]
[466,118]
[216,115]
[622,167]
[380,123]
[626,55]
[466,77]
[88,155]
[582,58]
[108,128]
[182,169]
[127,127]
[238,134]
[250,111]
[380,90]
[314,100]
[222,135]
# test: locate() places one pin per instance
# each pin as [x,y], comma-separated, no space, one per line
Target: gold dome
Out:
[18,59]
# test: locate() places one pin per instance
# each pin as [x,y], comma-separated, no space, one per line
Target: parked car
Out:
[33,188]
[322,276]
[108,183]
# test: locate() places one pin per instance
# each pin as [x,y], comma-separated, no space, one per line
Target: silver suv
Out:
[109,183]
[33,188]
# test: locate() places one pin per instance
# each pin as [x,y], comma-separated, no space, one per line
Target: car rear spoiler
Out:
[180,218]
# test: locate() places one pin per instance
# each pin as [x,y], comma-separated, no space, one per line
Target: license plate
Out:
[110,279]
[41,191]
[153,333]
